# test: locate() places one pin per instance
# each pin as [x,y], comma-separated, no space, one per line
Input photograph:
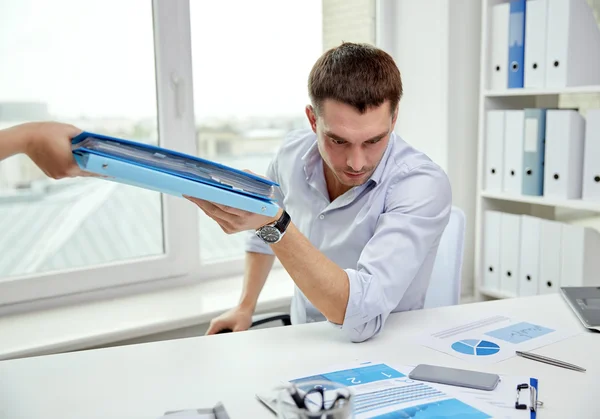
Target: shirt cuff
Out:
[356,315]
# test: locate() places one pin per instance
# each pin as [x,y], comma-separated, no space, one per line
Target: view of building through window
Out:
[250,72]
[101,81]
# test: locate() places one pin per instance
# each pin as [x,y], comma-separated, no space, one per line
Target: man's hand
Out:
[237,319]
[48,144]
[233,220]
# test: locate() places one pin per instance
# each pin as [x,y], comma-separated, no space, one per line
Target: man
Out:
[48,144]
[367,210]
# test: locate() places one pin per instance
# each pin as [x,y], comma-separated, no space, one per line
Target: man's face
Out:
[351,144]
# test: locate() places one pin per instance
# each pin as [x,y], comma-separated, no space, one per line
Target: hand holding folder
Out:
[173,173]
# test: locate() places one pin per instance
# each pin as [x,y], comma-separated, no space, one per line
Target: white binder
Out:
[494,150]
[510,252]
[499,47]
[513,152]
[591,164]
[535,43]
[531,228]
[550,257]
[572,44]
[491,250]
[580,256]
[563,170]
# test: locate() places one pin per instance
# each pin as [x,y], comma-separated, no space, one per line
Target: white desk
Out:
[143,381]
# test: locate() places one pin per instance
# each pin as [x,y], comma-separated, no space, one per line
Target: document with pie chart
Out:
[492,339]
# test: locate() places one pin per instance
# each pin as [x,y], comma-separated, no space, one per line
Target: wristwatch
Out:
[272,233]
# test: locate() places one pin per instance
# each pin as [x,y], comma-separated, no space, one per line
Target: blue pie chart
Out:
[476,347]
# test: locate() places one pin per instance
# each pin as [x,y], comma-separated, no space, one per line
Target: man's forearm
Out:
[258,266]
[12,141]
[323,282]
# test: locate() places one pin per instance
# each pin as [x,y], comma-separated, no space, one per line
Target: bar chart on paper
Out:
[491,339]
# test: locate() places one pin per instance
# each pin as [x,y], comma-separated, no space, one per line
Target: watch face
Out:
[270,234]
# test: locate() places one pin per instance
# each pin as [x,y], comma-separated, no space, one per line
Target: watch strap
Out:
[283,222]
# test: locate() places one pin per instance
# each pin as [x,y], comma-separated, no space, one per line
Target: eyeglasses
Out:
[315,400]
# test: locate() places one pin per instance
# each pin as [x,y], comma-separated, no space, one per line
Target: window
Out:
[101,81]
[127,69]
[250,73]
[74,235]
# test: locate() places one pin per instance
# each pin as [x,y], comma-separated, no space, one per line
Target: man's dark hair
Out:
[359,75]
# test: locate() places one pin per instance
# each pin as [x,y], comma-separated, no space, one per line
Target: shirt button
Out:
[321,216]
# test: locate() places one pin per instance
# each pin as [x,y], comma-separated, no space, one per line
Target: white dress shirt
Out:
[384,233]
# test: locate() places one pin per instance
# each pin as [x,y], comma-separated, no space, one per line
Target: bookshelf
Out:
[563,210]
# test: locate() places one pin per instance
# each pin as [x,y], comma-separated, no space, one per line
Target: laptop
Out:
[585,302]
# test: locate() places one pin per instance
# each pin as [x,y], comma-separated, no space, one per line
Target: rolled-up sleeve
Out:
[253,243]
[417,210]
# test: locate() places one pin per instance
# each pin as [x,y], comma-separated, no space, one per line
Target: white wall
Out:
[436,44]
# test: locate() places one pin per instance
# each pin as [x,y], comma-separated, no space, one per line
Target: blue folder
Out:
[516,44]
[173,173]
[534,148]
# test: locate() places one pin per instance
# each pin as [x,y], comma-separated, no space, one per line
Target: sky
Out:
[95,57]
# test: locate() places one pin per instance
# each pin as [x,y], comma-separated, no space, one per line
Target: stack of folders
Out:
[543,43]
[525,255]
[173,173]
[543,152]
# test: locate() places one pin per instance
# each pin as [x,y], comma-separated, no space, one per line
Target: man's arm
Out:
[239,318]
[259,261]
[361,299]
[48,144]
[258,266]
[322,281]
[13,141]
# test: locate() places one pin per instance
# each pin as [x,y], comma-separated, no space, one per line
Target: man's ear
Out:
[312,117]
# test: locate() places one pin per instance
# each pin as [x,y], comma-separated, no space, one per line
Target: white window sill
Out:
[97,323]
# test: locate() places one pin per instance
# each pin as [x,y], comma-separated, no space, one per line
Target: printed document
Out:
[492,339]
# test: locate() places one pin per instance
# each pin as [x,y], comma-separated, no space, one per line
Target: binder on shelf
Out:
[513,152]
[173,173]
[591,164]
[534,138]
[580,256]
[529,264]
[510,251]
[572,44]
[491,250]
[563,169]
[535,44]
[494,151]
[499,47]
[516,44]
[550,257]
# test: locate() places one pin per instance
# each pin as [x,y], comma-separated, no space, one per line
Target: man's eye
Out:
[338,142]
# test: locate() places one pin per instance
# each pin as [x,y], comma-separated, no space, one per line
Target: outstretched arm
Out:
[48,144]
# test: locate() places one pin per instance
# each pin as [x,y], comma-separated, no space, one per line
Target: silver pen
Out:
[550,361]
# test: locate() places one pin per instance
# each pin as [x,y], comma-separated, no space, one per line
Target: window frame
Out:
[176,129]
[181,260]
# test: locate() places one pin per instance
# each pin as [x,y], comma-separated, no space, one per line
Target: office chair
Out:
[443,290]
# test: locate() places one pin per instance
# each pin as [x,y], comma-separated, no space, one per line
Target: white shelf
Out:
[542,92]
[576,204]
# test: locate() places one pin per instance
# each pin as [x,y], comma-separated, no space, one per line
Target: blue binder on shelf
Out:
[170,172]
[516,44]
[534,146]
